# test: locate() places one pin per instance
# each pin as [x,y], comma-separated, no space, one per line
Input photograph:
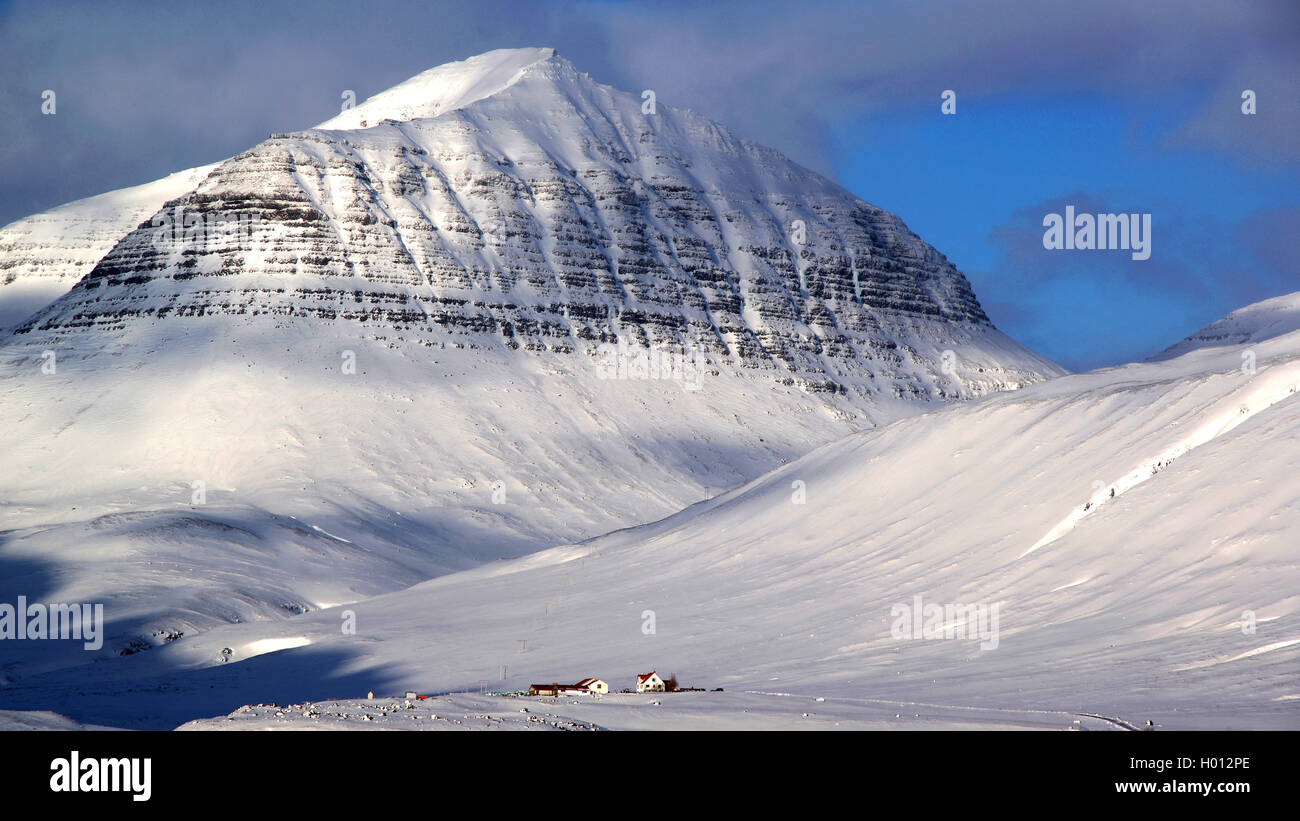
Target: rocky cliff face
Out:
[43,256]
[555,214]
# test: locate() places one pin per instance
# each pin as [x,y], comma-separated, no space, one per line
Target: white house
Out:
[593,685]
[649,683]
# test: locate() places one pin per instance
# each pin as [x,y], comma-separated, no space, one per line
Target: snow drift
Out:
[1134,526]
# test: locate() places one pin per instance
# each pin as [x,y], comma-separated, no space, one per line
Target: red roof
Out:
[643,676]
[583,686]
[557,687]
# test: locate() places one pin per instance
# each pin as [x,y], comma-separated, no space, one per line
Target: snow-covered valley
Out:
[1174,601]
[432,333]
[370,441]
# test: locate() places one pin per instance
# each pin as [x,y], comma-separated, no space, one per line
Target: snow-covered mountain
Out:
[353,358]
[1253,323]
[528,206]
[443,88]
[1134,527]
[43,256]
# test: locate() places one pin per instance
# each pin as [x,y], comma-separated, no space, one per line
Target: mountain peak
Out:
[444,88]
[1257,322]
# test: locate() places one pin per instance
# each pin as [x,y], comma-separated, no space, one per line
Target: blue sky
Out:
[978,183]
[1109,106]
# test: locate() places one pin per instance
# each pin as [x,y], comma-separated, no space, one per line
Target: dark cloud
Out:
[783,72]
[147,89]
[1272,239]
[1266,137]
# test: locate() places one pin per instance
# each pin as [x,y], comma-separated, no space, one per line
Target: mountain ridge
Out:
[855,253]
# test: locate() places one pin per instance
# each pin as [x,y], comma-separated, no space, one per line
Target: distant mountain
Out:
[43,256]
[1253,323]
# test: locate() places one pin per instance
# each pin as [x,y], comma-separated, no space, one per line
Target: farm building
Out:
[587,685]
[649,683]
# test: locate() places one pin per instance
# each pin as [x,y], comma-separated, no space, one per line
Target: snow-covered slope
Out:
[391,367]
[442,89]
[1254,323]
[1174,599]
[711,710]
[320,487]
[42,256]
